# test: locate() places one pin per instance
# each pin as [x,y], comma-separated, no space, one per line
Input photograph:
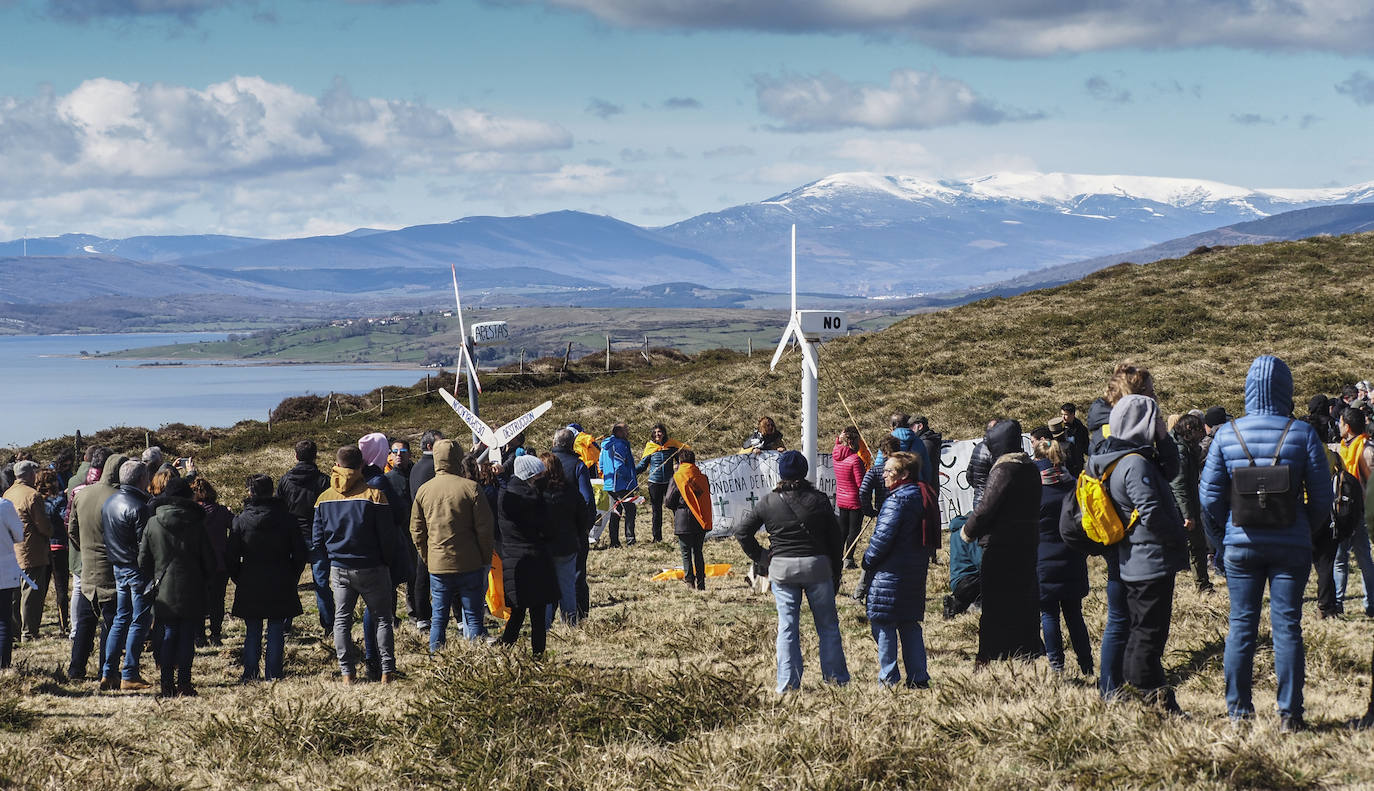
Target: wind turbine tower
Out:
[807,328]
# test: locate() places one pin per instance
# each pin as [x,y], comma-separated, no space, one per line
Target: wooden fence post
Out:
[522,359]
[327,405]
[750,341]
[647,358]
[566,355]
[269,421]
[608,354]
[381,400]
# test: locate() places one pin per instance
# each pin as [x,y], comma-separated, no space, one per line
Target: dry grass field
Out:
[668,688]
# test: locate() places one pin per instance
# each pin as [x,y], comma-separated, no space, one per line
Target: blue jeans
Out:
[821,597]
[177,650]
[1286,570]
[324,597]
[1359,544]
[252,647]
[1078,633]
[565,566]
[374,586]
[913,648]
[133,616]
[469,591]
[1114,640]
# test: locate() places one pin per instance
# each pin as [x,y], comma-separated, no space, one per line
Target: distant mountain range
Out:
[861,234]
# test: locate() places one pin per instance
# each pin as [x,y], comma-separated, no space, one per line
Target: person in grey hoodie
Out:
[1155,547]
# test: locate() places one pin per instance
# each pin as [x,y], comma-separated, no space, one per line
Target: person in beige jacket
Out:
[32,553]
[455,534]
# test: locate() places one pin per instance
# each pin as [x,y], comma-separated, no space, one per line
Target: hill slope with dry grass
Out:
[668,688]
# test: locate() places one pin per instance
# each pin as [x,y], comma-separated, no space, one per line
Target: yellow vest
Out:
[1351,453]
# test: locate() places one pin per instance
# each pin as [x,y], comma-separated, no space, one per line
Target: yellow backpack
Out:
[1101,523]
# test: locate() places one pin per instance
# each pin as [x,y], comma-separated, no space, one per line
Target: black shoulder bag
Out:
[1263,497]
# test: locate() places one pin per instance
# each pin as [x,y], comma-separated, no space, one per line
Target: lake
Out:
[47,390]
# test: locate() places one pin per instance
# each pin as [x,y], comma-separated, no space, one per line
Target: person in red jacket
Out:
[849,475]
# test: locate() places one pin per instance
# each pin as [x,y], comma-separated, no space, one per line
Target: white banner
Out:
[739,482]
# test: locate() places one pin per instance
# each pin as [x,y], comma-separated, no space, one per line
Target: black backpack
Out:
[1263,497]
[1347,510]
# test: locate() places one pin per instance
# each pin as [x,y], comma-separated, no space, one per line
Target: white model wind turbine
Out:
[465,355]
[494,439]
[807,327]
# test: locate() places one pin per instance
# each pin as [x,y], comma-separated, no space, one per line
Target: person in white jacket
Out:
[11,533]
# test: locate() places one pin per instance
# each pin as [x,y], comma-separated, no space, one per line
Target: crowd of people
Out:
[139,550]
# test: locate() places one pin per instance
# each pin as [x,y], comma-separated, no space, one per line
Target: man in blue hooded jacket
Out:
[908,442]
[1281,555]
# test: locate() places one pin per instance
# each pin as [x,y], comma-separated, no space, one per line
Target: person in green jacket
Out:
[177,560]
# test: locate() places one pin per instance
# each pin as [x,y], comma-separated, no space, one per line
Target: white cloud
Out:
[887,156]
[1022,28]
[911,100]
[110,149]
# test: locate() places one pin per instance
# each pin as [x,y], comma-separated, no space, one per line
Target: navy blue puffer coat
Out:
[1063,572]
[898,559]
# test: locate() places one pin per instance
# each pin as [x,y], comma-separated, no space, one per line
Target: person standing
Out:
[176,558]
[1155,547]
[659,459]
[618,472]
[1254,551]
[419,600]
[454,534]
[1005,522]
[806,547]
[1063,572]
[264,556]
[122,520]
[898,556]
[849,477]
[1357,456]
[578,478]
[1187,433]
[689,498]
[1077,435]
[95,576]
[527,569]
[353,529]
[33,553]
[217,521]
[299,488]
[11,536]
[55,501]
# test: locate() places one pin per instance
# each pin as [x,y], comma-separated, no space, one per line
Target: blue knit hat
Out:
[792,466]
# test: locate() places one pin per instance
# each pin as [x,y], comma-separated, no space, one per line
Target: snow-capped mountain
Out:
[857,233]
[874,233]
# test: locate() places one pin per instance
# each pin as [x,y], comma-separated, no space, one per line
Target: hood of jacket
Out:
[177,514]
[906,438]
[346,481]
[1269,387]
[1003,438]
[303,473]
[1318,405]
[110,474]
[1134,419]
[842,452]
[448,457]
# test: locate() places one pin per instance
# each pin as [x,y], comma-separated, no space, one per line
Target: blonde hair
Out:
[1128,379]
[1051,449]
[1171,421]
[160,480]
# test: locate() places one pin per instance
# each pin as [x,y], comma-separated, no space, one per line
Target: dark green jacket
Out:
[176,557]
[86,535]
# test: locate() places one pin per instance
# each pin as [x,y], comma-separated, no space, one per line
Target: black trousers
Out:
[538,628]
[418,605]
[693,560]
[967,591]
[1324,551]
[1151,605]
[852,523]
[657,493]
[214,605]
[1198,549]
[584,598]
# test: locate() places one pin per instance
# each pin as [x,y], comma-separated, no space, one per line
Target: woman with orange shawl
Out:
[659,458]
[689,498]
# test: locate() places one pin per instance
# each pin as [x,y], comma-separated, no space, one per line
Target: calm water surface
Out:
[47,390]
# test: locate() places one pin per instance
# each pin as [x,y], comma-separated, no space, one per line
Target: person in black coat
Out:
[526,565]
[1006,524]
[298,489]
[1063,572]
[177,562]
[569,524]
[264,556]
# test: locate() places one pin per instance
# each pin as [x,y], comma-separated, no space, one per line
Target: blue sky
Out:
[124,117]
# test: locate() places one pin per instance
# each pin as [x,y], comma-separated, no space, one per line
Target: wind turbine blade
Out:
[509,431]
[787,335]
[466,359]
[475,423]
[458,301]
[794,268]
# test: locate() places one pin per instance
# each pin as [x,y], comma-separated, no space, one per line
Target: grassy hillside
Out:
[667,688]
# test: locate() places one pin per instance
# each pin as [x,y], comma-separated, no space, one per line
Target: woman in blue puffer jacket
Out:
[898,555]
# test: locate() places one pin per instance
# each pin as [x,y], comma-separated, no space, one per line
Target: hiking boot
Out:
[134,684]
[1292,724]
[374,668]
[1164,698]
[388,678]
[186,690]
[850,564]
[701,583]
[109,684]
[167,691]
[690,582]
